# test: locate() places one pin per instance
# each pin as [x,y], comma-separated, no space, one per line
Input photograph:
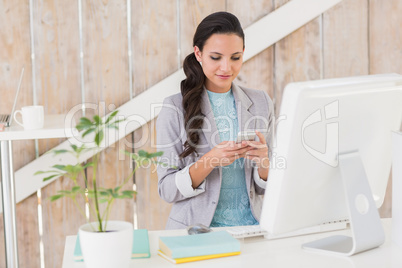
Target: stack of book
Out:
[188,248]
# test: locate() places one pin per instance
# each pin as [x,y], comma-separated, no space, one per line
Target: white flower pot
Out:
[107,249]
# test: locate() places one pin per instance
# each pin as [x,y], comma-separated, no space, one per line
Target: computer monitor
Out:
[332,136]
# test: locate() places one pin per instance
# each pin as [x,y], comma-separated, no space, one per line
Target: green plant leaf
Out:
[62,151]
[64,192]
[75,189]
[73,170]
[99,137]
[116,123]
[110,191]
[78,150]
[90,130]
[151,155]
[119,121]
[55,197]
[60,167]
[142,153]
[83,124]
[103,200]
[144,162]
[97,120]
[110,117]
[104,193]
[89,164]
[129,193]
[50,177]
[43,172]
[117,189]
[85,121]
[113,126]
[125,194]
[135,157]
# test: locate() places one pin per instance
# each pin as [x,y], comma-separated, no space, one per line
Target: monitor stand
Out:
[365,223]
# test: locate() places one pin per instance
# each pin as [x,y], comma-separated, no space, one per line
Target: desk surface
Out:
[259,252]
[56,126]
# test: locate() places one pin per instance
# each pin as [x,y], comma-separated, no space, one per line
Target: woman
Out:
[211,178]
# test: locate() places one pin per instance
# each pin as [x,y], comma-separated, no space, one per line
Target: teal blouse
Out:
[233,206]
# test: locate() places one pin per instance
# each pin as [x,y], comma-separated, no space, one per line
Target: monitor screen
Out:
[318,121]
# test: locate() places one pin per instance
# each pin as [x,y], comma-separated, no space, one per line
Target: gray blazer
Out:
[255,112]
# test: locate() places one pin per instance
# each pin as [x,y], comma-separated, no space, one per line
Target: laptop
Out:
[6,119]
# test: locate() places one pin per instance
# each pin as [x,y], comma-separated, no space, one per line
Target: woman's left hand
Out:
[259,154]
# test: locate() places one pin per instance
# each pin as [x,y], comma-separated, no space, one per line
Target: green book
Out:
[140,246]
[198,245]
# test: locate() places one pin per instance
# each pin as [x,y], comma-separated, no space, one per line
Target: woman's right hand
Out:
[226,152]
[223,154]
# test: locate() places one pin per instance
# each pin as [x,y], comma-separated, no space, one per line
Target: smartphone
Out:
[245,136]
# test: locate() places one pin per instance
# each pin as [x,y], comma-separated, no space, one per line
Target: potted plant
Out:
[104,243]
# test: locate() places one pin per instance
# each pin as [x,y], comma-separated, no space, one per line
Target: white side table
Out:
[54,128]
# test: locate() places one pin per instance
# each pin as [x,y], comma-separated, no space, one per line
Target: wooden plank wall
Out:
[58,87]
[155,46]
[356,37]
[14,54]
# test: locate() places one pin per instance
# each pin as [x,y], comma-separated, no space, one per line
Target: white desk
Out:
[54,128]
[258,252]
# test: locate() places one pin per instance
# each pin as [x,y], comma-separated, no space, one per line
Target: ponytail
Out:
[191,90]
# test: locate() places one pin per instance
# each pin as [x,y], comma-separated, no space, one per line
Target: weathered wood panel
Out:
[57,88]
[14,54]
[345,35]
[297,57]
[28,233]
[154,46]
[385,54]
[152,210]
[257,72]
[192,12]
[107,84]
[60,218]
[385,36]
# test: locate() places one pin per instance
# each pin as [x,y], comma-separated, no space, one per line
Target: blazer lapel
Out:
[246,123]
[243,103]
[209,127]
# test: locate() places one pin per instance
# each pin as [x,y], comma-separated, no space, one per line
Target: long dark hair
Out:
[192,86]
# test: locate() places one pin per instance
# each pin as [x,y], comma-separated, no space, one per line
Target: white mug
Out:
[32,117]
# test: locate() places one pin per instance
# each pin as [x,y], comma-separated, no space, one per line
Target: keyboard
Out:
[255,230]
[246,231]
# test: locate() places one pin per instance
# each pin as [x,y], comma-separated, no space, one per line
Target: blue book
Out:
[198,245]
[140,246]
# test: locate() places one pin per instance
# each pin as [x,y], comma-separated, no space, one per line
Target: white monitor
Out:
[327,131]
